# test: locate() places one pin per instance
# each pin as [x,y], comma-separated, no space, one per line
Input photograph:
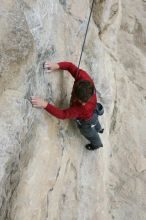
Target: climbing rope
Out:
[85,36]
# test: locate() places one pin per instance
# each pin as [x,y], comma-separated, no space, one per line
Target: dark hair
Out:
[84,89]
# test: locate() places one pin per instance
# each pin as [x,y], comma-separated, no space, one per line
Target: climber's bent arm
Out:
[73,69]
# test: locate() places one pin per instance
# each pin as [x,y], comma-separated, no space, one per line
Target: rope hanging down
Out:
[85,35]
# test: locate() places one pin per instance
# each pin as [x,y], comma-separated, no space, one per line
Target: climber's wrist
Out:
[44,104]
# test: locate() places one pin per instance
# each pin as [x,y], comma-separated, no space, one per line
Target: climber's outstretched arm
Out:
[71,112]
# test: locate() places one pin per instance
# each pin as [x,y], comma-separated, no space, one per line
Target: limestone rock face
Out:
[45,171]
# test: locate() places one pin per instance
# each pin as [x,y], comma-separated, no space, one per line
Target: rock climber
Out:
[82,104]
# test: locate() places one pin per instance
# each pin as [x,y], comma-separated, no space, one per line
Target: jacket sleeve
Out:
[70,67]
[72,112]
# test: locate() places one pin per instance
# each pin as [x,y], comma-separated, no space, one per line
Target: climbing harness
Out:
[85,36]
[98,111]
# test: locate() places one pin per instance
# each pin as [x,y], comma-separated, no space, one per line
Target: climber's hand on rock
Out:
[47,65]
[37,102]
[50,66]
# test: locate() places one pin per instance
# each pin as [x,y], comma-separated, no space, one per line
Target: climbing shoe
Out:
[91,147]
[101,131]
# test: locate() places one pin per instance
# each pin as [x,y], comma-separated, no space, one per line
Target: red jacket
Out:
[76,109]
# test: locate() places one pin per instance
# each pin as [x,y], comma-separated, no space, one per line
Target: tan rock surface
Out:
[45,172]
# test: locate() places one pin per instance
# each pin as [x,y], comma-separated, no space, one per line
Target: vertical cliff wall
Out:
[45,171]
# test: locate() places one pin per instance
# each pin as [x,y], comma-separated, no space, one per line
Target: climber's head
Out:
[83,90]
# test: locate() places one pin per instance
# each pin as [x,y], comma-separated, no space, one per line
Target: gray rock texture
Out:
[45,171]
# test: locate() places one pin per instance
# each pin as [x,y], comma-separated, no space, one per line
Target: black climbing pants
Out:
[89,129]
